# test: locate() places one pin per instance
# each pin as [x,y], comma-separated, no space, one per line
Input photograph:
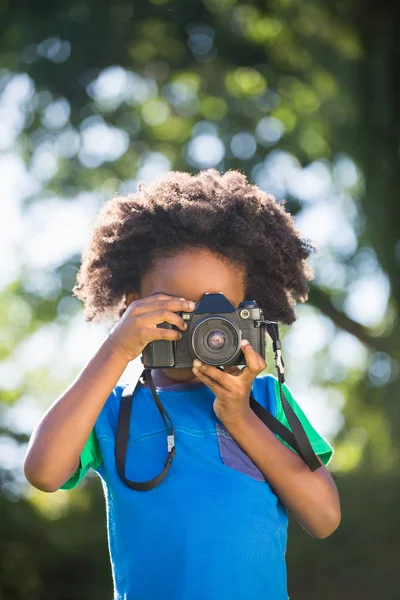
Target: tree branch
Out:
[322,301]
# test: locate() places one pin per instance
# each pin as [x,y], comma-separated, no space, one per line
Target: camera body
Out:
[215,330]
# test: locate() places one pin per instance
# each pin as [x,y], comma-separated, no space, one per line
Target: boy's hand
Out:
[231,389]
[138,324]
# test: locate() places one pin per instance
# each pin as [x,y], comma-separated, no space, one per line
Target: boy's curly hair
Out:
[223,213]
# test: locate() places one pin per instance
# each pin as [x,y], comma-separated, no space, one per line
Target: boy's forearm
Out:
[59,438]
[311,496]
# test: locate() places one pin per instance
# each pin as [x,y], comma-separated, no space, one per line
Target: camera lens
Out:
[216,340]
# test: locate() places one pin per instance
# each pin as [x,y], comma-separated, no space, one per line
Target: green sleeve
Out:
[90,458]
[320,446]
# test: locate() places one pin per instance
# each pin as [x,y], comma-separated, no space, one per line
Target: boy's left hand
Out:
[232,386]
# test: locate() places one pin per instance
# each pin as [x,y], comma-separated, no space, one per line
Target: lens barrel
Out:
[216,340]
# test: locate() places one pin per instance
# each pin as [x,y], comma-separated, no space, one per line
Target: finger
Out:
[171,302]
[138,306]
[159,302]
[156,317]
[151,334]
[254,362]
[211,383]
[224,380]
[141,302]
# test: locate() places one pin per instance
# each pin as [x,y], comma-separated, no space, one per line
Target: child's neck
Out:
[161,377]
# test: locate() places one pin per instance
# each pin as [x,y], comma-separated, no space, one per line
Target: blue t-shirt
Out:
[213,529]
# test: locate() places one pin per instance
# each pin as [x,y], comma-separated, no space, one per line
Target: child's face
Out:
[190,275]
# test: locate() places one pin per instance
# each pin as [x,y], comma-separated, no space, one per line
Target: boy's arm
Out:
[90,458]
[311,496]
[60,436]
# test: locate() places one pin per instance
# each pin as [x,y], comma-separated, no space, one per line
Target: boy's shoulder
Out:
[106,423]
[264,391]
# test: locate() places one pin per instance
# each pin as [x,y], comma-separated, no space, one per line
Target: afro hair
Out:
[223,213]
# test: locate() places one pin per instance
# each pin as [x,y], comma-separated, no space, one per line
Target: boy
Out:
[216,527]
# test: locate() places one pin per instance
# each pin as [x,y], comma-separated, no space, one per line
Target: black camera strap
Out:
[121,443]
[296,437]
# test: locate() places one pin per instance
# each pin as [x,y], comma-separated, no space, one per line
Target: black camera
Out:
[215,330]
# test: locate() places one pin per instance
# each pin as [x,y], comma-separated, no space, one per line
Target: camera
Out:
[215,330]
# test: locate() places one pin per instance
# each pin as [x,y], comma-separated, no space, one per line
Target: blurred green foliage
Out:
[316,80]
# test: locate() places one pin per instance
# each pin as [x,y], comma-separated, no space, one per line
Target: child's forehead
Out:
[190,275]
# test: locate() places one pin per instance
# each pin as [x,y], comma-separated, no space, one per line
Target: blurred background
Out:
[304,97]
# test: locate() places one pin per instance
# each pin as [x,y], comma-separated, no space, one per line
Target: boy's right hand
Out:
[138,325]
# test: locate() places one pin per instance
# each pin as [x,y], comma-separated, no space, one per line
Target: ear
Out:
[131,297]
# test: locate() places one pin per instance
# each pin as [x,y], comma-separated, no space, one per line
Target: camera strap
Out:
[296,437]
[121,442]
